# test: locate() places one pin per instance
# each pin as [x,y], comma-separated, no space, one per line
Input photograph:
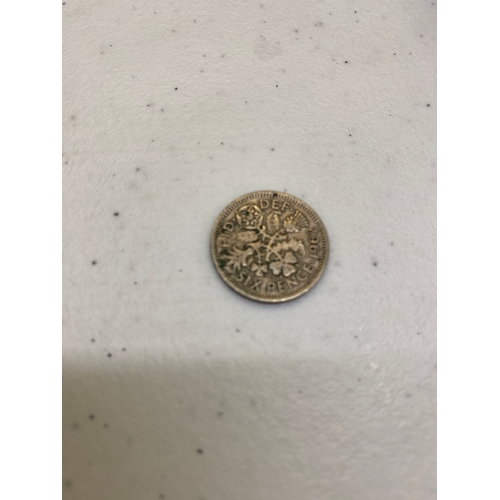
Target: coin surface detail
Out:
[269,246]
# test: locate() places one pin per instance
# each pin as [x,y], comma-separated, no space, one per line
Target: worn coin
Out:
[269,246]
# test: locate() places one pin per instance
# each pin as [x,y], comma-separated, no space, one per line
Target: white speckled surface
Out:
[331,396]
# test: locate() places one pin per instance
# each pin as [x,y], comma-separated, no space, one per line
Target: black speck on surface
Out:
[199,451]
[116,214]
[276,86]
[135,282]
[418,333]
[408,395]
[359,380]
[428,105]
[345,62]
[272,149]
[123,349]
[375,264]
[180,270]
[94,262]
[109,355]
[137,169]
[238,330]
[91,417]
[350,135]
[105,426]
[176,88]
[355,336]
[220,414]
[392,243]
[92,340]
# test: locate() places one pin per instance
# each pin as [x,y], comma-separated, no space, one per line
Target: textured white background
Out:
[176,387]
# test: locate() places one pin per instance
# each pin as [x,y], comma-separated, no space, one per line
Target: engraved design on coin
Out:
[269,246]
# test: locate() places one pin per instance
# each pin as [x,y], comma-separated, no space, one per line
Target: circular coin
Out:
[269,246]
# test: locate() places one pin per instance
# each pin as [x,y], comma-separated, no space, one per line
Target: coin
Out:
[269,246]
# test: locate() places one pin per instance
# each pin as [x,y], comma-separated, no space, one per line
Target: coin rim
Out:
[242,292]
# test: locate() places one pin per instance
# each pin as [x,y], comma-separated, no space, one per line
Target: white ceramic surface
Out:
[176,387]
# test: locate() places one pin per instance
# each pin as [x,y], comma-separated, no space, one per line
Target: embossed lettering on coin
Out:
[269,246]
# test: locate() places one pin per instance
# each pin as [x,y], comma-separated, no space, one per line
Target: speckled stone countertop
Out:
[175,387]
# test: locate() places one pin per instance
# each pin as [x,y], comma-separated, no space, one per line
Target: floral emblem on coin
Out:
[261,246]
[249,217]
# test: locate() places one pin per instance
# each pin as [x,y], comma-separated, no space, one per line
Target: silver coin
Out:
[269,246]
